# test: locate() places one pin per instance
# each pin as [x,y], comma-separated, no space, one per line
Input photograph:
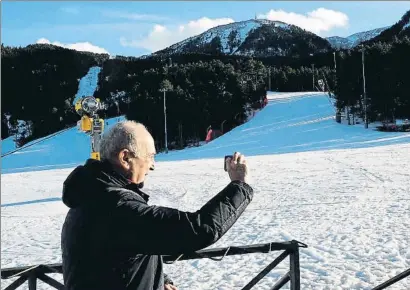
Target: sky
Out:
[140,28]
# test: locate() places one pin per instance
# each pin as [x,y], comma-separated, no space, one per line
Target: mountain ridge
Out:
[253,37]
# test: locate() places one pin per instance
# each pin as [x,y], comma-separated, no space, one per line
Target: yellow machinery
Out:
[90,123]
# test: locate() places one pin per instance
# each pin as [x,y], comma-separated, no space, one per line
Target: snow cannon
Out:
[88,106]
[90,123]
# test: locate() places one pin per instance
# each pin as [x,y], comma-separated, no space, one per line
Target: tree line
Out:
[39,83]
[386,78]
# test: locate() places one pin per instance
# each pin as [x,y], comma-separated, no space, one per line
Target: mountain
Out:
[354,39]
[399,30]
[255,37]
[266,38]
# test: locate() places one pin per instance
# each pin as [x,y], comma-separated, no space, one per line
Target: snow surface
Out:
[88,83]
[64,150]
[8,144]
[291,122]
[350,205]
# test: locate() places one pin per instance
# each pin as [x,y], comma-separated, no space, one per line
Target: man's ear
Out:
[123,157]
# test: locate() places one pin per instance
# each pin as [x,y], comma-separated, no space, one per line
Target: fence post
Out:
[32,282]
[294,268]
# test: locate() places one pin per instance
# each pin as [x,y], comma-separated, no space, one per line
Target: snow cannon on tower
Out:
[90,122]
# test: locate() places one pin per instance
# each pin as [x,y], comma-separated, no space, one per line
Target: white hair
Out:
[124,135]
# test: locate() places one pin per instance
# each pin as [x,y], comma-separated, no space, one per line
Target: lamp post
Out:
[165,122]
[335,75]
[313,73]
[164,89]
[366,124]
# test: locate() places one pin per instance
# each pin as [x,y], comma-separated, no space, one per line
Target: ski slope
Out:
[290,123]
[87,85]
[67,149]
[343,190]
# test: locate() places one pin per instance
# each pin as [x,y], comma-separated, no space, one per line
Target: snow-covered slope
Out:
[88,84]
[405,20]
[291,122]
[86,87]
[232,35]
[385,34]
[407,25]
[349,205]
[354,39]
[64,150]
[251,37]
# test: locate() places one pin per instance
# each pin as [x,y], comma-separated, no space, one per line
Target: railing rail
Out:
[291,249]
[393,280]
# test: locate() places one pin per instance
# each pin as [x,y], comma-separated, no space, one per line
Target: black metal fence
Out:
[291,249]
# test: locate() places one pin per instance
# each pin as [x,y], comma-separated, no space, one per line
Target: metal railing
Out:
[393,280]
[291,249]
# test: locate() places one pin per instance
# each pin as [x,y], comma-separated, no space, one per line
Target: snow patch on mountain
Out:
[231,36]
[354,39]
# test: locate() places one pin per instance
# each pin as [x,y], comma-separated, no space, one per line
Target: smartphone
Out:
[227,156]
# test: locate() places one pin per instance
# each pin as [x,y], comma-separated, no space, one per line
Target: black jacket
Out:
[112,239]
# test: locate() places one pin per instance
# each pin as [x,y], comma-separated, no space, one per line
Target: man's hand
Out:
[170,287]
[237,167]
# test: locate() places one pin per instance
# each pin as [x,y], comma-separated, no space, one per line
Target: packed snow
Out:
[343,190]
[88,84]
[56,152]
[292,122]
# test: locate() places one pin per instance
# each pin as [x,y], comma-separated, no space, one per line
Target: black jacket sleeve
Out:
[155,230]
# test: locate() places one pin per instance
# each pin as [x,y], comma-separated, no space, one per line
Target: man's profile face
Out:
[140,166]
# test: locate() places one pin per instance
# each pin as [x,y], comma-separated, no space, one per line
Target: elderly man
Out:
[112,239]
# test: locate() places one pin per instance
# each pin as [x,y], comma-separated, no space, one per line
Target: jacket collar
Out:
[128,184]
[137,189]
